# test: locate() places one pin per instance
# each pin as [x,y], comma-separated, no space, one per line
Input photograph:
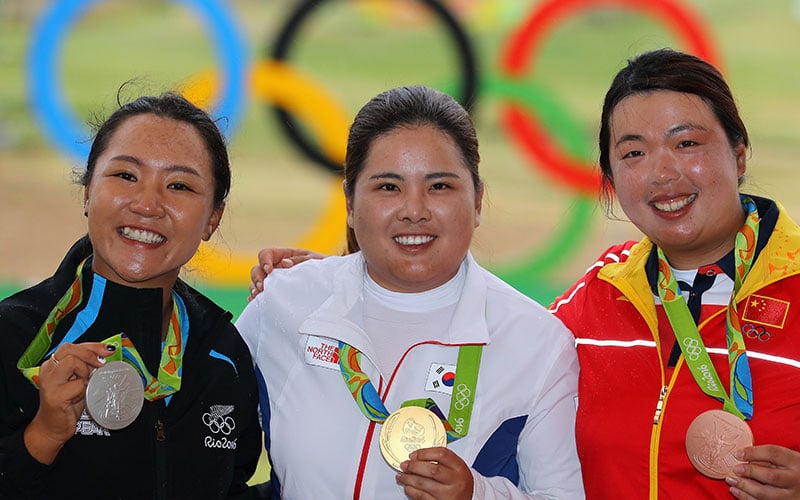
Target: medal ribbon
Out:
[170,368]
[171,365]
[371,405]
[740,402]
[28,362]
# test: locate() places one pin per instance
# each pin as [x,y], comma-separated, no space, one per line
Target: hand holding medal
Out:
[62,380]
[712,440]
[409,429]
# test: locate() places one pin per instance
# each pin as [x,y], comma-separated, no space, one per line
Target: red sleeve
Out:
[568,306]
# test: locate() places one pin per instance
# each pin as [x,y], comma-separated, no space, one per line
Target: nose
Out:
[147,202]
[664,168]
[415,207]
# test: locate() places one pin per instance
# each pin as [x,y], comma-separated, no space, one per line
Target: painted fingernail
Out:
[111,347]
[101,359]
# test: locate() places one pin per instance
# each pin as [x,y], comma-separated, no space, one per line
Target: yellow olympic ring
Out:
[279,83]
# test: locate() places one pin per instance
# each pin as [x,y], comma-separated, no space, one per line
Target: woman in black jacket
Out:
[119,380]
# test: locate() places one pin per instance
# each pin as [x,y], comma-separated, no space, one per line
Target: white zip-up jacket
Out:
[521,441]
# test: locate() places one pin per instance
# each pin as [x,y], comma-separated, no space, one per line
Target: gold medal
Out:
[712,439]
[408,429]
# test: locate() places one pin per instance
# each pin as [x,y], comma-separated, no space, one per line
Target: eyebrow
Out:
[677,129]
[171,168]
[431,176]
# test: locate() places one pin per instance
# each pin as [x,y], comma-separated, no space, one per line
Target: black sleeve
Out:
[248,450]
[21,475]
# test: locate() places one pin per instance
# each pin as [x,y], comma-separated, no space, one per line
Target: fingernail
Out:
[739,454]
[101,359]
[731,481]
[111,347]
[739,469]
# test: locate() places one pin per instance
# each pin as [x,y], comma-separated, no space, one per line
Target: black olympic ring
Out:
[756,332]
[219,422]
[469,67]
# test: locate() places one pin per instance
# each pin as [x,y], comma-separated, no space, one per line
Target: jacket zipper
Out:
[660,405]
[161,458]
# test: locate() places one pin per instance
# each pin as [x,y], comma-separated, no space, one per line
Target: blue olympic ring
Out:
[61,124]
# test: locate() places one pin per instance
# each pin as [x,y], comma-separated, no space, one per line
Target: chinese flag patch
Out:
[766,310]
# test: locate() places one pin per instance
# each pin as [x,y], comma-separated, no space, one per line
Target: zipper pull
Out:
[660,405]
[161,432]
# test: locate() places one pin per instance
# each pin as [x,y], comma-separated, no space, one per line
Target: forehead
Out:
[159,140]
[421,146]
[661,109]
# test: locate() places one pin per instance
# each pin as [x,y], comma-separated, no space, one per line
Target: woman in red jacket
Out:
[685,339]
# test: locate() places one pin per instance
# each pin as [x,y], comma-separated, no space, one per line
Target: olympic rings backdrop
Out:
[286,78]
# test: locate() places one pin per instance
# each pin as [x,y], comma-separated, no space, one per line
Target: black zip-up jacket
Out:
[205,443]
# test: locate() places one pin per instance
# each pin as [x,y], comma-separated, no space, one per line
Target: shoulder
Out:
[616,254]
[511,312]
[199,306]
[313,272]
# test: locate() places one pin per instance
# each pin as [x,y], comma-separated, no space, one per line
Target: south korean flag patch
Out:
[441,378]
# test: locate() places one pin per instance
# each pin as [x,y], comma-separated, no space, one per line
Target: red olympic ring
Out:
[521,49]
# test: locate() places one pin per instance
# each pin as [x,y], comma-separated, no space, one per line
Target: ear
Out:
[740,151]
[213,222]
[348,205]
[478,204]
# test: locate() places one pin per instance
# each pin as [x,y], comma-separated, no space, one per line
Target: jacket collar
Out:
[779,240]
[340,317]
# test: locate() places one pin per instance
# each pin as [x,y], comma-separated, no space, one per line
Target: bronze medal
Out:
[114,395]
[407,429]
[712,439]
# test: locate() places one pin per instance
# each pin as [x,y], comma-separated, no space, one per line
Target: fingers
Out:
[769,471]
[257,275]
[770,454]
[88,353]
[436,473]
[272,258]
[71,361]
[269,259]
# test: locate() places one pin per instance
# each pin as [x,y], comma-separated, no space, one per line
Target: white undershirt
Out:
[395,321]
[719,294]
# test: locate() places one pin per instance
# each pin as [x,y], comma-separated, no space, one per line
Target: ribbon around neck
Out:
[168,380]
[740,401]
[457,423]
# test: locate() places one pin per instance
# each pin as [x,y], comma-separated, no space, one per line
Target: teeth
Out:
[142,236]
[413,240]
[674,205]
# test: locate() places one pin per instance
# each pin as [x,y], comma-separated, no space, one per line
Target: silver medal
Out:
[114,395]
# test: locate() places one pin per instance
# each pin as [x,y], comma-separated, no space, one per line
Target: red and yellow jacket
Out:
[625,449]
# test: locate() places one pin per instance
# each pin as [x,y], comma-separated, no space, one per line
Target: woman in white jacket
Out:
[408,318]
